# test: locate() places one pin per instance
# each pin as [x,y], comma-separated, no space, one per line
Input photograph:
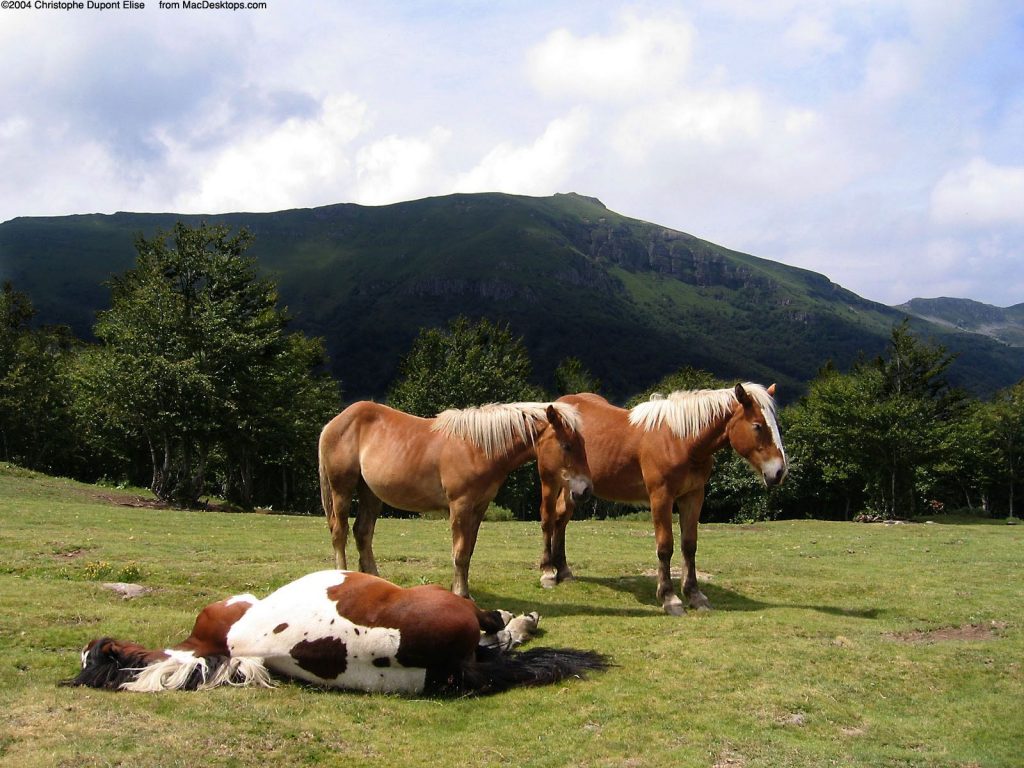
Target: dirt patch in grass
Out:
[727,758]
[989,631]
[130,500]
[143,502]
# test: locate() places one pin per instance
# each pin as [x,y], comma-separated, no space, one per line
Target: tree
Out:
[197,364]
[34,409]
[572,378]
[685,378]
[1008,431]
[468,364]
[879,434]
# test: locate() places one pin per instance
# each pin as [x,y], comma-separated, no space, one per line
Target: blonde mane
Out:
[689,412]
[494,428]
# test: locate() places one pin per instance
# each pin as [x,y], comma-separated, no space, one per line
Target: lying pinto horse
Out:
[341,629]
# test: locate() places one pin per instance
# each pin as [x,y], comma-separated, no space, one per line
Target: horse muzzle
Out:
[580,491]
[774,473]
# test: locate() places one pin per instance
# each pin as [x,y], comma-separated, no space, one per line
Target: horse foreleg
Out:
[366,521]
[661,514]
[556,511]
[689,507]
[465,522]
[563,514]
[548,523]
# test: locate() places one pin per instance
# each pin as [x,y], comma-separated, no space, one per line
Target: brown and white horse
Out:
[341,629]
[661,453]
[456,462]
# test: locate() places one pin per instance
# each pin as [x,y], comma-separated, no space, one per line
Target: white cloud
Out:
[714,118]
[302,161]
[979,194]
[649,55]
[818,134]
[396,168]
[891,70]
[813,33]
[539,168]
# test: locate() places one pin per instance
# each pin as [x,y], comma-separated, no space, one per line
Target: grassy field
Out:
[830,644]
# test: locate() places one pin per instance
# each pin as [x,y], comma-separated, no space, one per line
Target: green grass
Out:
[805,660]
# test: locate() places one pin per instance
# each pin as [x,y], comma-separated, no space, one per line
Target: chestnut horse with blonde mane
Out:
[661,453]
[456,461]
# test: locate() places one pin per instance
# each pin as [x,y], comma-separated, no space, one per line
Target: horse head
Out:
[754,432]
[561,452]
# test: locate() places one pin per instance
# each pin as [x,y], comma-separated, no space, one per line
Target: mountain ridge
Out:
[633,300]
[1003,323]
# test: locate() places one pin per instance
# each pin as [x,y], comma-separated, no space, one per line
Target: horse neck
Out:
[523,451]
[712,438]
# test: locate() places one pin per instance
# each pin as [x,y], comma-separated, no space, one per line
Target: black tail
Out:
[112,665]
[107,666]
[494,672]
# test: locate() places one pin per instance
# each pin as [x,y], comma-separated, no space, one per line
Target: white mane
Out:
[495,427]
[688,412]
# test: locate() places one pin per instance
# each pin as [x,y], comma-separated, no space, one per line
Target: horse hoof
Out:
[674,606]
[565,575]
[548,580]
[699,602]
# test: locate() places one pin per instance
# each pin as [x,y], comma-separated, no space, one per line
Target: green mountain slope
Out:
[1003,323]
[631,299]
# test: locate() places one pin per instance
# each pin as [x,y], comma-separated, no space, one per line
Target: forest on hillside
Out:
[197,387]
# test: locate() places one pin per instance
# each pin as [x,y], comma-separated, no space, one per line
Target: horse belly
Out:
[403,480]
[359,675]
[298,632]
[619,481]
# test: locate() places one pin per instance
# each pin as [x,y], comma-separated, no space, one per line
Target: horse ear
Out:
[553,418]
[771,389]
[742,396]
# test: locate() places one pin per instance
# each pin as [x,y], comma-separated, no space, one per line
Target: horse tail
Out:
[326,497]
[113,665]
[494,671]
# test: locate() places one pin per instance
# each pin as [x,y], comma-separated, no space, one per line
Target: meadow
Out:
[830,643]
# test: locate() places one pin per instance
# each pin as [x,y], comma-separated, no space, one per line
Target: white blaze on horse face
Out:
[298,632]
[775,467]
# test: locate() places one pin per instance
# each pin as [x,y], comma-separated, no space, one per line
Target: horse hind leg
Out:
[366,521]
[337,521]
[465,521]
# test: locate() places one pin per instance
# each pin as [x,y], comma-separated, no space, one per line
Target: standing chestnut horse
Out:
[661,453]
[456,462]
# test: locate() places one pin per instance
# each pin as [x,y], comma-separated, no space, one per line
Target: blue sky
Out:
[880,143]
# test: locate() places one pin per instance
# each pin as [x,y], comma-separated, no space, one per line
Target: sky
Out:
[880,143]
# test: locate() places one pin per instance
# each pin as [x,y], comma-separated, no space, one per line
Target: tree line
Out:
[196,387]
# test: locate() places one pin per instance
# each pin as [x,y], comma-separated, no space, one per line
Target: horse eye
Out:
[566,447]
[758,427]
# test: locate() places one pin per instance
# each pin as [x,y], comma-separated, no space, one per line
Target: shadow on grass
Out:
[955,519]
[644,589]
[550,606]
